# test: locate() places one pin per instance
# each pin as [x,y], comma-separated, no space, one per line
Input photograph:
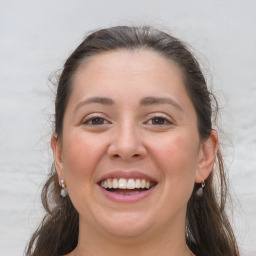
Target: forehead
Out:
[125,68]
[133,60]
[128,76]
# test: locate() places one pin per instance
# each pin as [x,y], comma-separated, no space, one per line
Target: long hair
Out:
[208,230]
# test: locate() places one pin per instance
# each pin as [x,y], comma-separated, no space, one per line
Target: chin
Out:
[127,225]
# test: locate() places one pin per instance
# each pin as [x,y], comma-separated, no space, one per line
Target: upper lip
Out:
[126,175]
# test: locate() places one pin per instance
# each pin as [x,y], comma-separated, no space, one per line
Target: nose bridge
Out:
[127,134]
[127,142]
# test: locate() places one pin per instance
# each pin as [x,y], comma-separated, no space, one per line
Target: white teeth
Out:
[104,184]
[122,183]
[143,184]
[137,183]
[115,183]
[109,183]
[131,184]
[125,183]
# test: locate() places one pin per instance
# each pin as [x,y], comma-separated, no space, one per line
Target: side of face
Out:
[130,113]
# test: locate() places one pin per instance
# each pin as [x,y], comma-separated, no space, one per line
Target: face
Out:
[130,151]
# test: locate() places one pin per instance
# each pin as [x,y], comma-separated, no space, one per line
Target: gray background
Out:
[35,39]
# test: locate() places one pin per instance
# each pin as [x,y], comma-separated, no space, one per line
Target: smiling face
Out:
[130,151]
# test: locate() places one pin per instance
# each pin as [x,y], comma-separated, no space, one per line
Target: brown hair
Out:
[208,229]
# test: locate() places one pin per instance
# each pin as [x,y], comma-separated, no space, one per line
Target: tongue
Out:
[126,191]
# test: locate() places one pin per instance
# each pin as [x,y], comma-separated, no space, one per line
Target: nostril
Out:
[133,156]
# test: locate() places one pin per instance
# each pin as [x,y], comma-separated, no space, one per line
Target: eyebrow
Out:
[143,102]
[155,100]
[100,100]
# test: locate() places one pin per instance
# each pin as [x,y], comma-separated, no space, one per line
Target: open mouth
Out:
[126,186]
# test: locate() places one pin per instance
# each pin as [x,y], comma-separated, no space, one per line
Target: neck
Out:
[166,242]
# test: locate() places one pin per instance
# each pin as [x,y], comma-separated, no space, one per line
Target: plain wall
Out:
[35,39]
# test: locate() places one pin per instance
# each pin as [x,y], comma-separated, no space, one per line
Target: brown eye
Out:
[95,121]
[158,121]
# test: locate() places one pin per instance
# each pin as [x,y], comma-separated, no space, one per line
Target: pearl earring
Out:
[63,191]
[199,192]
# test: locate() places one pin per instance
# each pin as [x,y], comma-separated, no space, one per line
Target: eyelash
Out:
[163,121]
[89,121]
[160,118]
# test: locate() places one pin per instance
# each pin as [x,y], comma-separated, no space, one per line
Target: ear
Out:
[207,155]
[57,152]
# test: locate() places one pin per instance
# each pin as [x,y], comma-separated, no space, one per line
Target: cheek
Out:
[177,157]
[81,153]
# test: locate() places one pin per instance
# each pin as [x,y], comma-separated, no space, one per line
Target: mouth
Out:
[124,186]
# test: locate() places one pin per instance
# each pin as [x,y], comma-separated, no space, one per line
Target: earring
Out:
[199,192]
[63,191]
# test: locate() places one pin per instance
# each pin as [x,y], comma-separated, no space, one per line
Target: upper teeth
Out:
[125,183]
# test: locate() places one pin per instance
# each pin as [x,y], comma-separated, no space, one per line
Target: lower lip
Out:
[120,198]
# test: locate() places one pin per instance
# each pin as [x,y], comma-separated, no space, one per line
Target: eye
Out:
[159,121]
[97,121]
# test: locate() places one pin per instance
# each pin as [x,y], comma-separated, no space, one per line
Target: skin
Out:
[129,137]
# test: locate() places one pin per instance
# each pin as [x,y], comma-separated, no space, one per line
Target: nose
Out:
[127,144]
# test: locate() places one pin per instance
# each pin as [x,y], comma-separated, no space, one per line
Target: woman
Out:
[137,165]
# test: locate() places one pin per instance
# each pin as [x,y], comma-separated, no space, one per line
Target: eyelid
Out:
[160,115]
[92,116]
[151,116]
